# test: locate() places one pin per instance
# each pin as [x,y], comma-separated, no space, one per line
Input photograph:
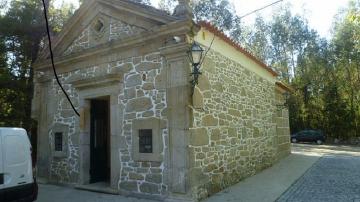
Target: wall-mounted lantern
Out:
[195,55]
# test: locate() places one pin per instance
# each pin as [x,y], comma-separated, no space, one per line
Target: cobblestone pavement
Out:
[335,177]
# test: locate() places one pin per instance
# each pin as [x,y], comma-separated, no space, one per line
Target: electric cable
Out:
[52,55]
[262,8]
[52,60]
[212,41]
[254,11]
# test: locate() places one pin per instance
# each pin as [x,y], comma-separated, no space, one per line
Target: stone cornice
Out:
[103,80]
[122,6]
[141,10]
[175,51]
[174,28]
[43,78]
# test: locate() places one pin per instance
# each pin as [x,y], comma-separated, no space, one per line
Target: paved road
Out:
[335,177]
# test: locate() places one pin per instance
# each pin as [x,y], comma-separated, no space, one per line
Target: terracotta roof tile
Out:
[228,40]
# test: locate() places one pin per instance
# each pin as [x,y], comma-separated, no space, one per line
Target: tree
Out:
[22,30]
[337,125]
[59,16]
[256,39]
[167,5]
[221,13]
[347,53]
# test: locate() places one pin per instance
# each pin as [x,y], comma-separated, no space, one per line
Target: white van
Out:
[16,172]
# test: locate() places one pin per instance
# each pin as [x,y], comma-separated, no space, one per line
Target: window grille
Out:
[145,141]
[58,141]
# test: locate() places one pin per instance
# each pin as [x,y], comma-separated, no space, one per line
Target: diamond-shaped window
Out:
[98,26]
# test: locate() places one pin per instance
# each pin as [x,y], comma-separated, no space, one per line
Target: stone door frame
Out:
[87,91]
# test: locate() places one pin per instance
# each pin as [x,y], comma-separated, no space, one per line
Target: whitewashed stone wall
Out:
[119,29]
[143,96]
[65,169]
[82,42]
[234,134]
[113,30]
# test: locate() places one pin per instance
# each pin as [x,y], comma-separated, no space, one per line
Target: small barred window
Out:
[58,141]
[145,141]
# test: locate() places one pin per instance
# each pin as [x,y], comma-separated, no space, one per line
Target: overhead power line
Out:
[262,8]
[52,60]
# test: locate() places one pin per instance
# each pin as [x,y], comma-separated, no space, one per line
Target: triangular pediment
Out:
[102,29]
[98,22]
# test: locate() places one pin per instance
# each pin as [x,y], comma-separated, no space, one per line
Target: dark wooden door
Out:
[99,141]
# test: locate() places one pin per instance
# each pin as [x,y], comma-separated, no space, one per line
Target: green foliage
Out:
[347,65]
[220,13]
[22,30]
[167,5]
[59,16]
[257,39]
[324,73]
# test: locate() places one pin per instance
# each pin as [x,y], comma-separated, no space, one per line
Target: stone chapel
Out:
[144,130]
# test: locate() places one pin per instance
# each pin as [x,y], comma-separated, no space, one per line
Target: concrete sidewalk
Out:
[268,185]
[53,193]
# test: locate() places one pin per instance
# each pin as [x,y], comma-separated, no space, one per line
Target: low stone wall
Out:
[234,131]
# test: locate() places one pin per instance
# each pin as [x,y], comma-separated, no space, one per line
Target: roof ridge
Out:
[148,7]
[219,33]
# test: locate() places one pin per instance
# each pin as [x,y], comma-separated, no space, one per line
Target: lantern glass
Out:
[196,53]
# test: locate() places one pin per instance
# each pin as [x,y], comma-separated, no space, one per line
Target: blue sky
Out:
[320,13]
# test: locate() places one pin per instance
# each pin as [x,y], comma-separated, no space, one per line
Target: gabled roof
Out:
[155,16]
[150,8]
[208,26]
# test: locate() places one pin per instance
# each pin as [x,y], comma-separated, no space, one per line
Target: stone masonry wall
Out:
[233,134]
[114,29]
[65,169]
[143,96]
[282,126]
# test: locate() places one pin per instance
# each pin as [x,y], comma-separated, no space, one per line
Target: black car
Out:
[308,136]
